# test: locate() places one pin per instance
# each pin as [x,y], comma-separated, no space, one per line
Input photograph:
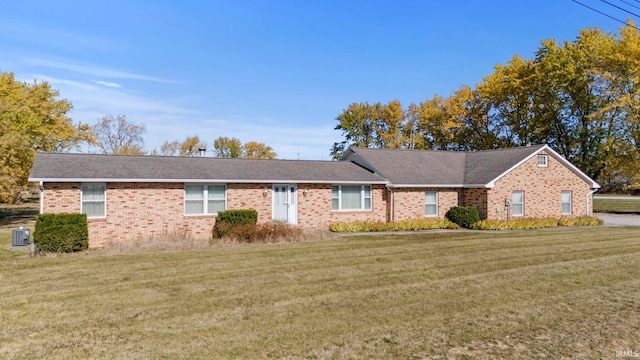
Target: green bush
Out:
[465,216]
[229,219]
[61,232]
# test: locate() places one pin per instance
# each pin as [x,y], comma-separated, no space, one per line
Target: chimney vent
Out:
[203,151]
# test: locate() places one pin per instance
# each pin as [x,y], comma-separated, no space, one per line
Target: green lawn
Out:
[630,205]
[560,293]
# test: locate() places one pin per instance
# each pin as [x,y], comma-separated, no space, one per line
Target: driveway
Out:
[619,219]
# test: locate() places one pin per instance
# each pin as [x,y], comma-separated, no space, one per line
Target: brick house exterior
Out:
[147,197]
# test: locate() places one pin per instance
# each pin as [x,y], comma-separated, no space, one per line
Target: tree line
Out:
[33,118]
[581,97]
[119,136]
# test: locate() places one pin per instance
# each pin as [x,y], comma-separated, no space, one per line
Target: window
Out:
[345,197]
[542,160]
[565,199]
[204,199]
[517,203]
[431,203]
[94,200]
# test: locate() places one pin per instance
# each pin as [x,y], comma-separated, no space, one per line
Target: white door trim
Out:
[290,200]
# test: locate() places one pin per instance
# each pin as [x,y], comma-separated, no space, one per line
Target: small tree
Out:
[116,135]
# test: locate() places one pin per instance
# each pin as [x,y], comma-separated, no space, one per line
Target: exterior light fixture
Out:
[264,192]
[305,192]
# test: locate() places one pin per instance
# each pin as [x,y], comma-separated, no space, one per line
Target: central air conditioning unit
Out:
[20,237]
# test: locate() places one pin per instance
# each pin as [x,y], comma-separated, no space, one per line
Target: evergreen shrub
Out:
[465,216]
[61,232]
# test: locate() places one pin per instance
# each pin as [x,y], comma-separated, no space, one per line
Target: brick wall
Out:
[542,187]
[141,211]
[314,210]
[408,203]
[135,211]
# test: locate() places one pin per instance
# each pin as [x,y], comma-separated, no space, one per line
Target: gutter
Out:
[587,200]
[41,197]
[391,203]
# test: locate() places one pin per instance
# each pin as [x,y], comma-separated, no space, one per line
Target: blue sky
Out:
[277,72]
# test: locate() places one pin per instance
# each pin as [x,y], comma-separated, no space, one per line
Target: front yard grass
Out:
[555,293]
[619,206]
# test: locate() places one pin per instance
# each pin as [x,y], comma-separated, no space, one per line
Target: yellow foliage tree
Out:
[32,119]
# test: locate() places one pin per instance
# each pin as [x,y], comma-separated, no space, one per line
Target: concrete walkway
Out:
[619,219]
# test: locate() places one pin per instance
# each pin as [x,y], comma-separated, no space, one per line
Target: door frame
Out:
[292,202]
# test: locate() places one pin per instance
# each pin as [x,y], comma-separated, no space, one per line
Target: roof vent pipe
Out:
[203,151]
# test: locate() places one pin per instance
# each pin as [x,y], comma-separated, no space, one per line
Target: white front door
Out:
[285,203]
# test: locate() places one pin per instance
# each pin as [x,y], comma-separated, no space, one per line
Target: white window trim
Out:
[82,201]
[436,203]
[362,198]
[205,194]
[545,162]
[570,202]
[513,203]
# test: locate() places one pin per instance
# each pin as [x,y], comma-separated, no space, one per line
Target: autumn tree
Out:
[32,119]
[118,136]
[191,146]
[225,147]
[256,150]
[169,148]
[581,97]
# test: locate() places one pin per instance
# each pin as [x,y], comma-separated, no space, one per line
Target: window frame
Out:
[545,161]
[513,203]
[363,198]
[204,199]
[83,201]
[431,204]
[562,203]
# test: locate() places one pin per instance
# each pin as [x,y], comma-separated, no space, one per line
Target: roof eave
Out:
[242,181]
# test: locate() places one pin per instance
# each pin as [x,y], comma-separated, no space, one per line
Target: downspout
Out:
[587,200]
[41,197]
[391,204]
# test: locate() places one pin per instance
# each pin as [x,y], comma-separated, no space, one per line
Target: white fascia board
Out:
[117,180]
[397,186]
[426,185]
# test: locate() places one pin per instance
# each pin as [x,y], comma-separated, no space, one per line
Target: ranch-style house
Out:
[146,197]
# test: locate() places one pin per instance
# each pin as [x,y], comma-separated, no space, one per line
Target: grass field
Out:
[559,293]
[616,205]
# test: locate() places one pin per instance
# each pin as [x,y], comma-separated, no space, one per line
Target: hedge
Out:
[61,232]
[226,220]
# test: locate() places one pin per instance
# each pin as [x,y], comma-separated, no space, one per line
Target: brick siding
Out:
[144,211]
[542,187]
[408,203]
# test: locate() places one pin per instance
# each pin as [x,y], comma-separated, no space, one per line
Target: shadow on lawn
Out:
[18,215]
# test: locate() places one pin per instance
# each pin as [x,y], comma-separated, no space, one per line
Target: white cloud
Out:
[94,70]
[107,83]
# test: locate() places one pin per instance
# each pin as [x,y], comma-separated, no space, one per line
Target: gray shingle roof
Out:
[358,165]
[87,167]
[413,166]
[448,168]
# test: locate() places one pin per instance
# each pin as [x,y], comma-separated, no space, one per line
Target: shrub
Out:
[580,221]
[412,224]
[465,216]
[61,232]
[535,223]
[229,219]
[269,233]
